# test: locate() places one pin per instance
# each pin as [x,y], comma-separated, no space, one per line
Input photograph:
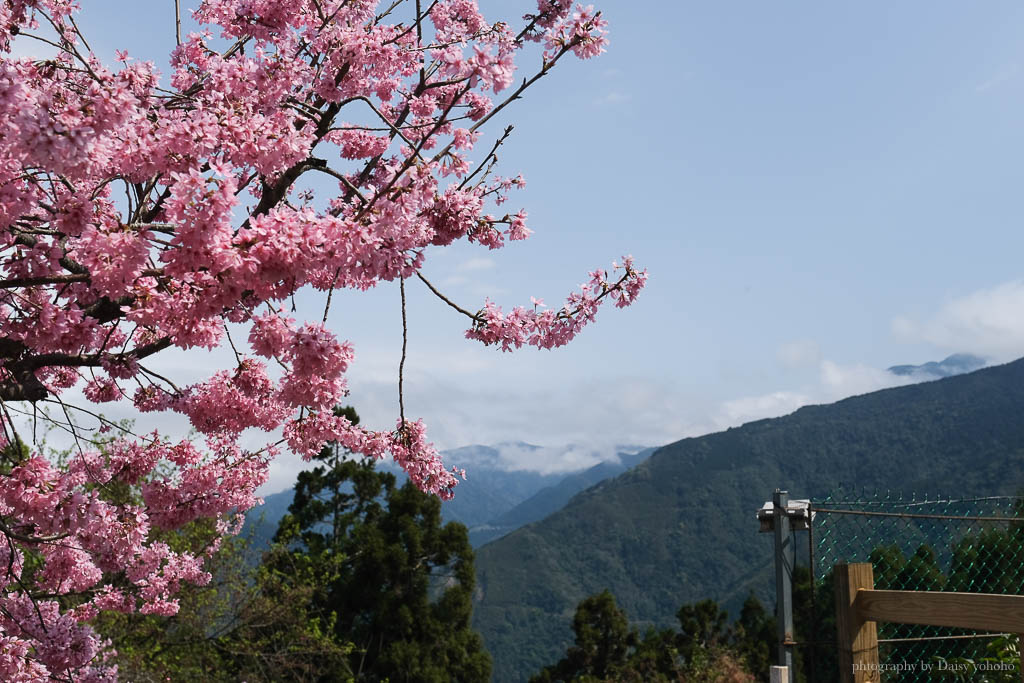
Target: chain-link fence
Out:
[921,543]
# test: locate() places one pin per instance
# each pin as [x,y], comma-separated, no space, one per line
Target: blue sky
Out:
[819,191]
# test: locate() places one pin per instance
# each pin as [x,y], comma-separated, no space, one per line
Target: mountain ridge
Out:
[493,500]
[957,364]
[679,527]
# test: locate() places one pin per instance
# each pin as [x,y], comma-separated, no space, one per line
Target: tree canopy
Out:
[363,583]
[396,583]
[705,648]
[141,213]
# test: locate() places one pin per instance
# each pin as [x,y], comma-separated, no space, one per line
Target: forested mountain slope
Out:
[680,526]
[493,501]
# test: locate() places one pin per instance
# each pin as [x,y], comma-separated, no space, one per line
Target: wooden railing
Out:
[859,606]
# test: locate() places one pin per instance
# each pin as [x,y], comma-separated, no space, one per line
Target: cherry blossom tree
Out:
[143,211]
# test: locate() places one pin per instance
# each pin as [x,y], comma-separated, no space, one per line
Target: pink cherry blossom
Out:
[149,209]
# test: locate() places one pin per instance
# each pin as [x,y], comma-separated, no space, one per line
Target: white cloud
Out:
[591,416]
[800,353]
[841,381]
[832,383]
[594,415]
[471,277]
[988,322]
[741,410]
[998,79]
[474,396]
[517,457]
[475,264]
[612,97]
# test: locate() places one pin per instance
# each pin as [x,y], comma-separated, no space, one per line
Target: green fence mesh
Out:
[915,543]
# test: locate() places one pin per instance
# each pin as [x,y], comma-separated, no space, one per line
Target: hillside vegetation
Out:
[680,526]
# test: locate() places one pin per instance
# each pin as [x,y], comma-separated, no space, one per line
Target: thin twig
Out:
[160,377]
[74,432]
[227,332]
[497,144]
[445,299]
[401,363]
[330,293]
[331,172]
[177,22]
[394,128]
[79,32]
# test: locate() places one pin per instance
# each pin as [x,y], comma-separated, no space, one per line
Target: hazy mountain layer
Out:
[493,500]
[957,364]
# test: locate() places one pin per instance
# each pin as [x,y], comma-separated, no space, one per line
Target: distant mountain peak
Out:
[957,364]
[521,456]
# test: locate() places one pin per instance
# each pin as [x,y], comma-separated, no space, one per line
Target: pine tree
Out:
[398,583]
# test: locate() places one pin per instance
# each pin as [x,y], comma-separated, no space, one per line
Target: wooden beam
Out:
[981,611]
[858,636]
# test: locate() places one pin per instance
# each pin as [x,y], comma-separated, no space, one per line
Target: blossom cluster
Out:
[549,329]
[136,218]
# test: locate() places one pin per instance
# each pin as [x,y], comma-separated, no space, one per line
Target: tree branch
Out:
[177,22]
[473,316]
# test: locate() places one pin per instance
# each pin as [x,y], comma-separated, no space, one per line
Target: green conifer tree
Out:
[398,584]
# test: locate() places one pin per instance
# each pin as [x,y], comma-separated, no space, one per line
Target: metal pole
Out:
[812,653]
[784,560]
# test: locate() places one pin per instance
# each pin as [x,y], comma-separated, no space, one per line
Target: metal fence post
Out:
[784,561]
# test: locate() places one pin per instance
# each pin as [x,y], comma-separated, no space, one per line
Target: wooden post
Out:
[858,639]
